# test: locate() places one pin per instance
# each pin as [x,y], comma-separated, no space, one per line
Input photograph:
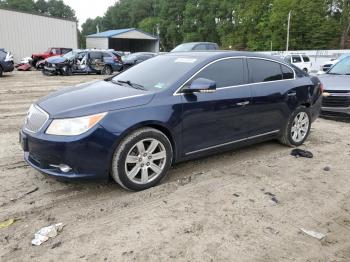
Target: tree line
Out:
[233,24]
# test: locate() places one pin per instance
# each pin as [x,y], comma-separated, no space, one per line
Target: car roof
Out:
[217,54]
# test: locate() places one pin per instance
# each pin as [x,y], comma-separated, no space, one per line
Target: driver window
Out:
[226,73]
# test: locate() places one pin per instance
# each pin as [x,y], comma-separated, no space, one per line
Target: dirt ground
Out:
[244,205]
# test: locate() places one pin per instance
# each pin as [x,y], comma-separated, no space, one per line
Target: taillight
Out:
[116,59]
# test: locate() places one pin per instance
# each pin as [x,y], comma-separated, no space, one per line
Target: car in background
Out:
[84,62]
[136,58]
[301,61]
[336,95]
[168,109]
[52,51]
[6,62]
[196,46]
[327,65]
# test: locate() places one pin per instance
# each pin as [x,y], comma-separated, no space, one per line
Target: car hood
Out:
[92,98]
[55,59]
[335,82]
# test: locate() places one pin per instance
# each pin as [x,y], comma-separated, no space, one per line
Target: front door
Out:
[211,120]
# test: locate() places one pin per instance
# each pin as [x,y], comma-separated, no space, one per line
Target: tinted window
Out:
[106,55]
[200,47]
[296,59]
[96,55]
[264,71]
[225,73]
[306,58]
[212,47]
[288,73]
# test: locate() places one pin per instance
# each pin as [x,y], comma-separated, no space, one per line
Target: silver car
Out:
[336,96]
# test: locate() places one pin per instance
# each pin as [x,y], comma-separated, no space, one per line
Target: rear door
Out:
[211,120]
[269,82]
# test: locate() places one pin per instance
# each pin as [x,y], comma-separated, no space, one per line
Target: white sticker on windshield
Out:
[185,60]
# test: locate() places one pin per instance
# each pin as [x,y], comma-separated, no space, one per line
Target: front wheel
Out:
[298,128]
[142,159]
[107,70]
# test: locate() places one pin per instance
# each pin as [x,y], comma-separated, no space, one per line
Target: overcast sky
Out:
[89,9]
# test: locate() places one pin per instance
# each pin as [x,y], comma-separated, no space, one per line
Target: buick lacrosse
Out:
[171,108]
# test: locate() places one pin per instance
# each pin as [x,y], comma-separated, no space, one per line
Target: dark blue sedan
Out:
[168,109]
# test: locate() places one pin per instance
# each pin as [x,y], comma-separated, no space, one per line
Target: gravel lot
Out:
[215,209]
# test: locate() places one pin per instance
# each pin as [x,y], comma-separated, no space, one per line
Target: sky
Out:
[85,9]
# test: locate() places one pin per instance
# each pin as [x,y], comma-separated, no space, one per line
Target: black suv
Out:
[6,62]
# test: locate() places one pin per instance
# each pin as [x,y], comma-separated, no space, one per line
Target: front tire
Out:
[142,159]
[298,128]
[107,70]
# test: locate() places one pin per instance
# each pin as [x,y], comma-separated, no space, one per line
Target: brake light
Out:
[116,59]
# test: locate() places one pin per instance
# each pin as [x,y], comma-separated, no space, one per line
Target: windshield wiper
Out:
[133,85]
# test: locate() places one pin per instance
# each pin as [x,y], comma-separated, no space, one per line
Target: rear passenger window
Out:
[296,59]
[287,72]
[225,73]
[95,55]
[261,70]
[200,47]
[306,58]
[107,55]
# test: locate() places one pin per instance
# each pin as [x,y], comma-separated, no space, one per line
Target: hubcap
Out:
[145,161]
[300,127]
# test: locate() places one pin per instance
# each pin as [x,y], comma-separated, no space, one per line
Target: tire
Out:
[131,166]
[295,133]
[107,70]
[0,71]
[305,70]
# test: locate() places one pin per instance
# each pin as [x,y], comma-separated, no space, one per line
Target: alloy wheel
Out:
[145,161]
[300,127]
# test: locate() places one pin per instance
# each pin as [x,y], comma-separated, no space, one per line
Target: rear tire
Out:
[107,70]
[0,71]
[297,128]
[142,159]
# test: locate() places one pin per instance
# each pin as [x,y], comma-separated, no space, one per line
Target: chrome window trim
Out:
[47,118]
[178,93]
[232,142]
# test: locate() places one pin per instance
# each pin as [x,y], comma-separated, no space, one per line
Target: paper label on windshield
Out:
[185,60]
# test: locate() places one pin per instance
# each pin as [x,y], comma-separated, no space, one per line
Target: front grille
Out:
[35,120]
[336,99]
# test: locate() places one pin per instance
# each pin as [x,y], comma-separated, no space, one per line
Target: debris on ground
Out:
[46,232]
[25,194]
[184,180]
[7,223]
[271,230]
[313,234]
[327,169]
[273,197]
[301,153]
[236,195]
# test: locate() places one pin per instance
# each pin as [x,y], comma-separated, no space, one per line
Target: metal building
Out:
[25,33]
[130,40]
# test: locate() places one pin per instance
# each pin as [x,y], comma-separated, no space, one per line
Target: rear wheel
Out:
[107,70]
[142,159]
[298,128]
[0,71]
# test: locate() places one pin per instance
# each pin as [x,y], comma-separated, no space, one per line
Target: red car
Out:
[52,51]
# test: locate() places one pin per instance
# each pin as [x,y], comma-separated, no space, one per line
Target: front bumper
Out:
[336,112]
[89,156]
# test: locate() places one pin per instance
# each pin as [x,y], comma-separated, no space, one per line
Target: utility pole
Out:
[288,29]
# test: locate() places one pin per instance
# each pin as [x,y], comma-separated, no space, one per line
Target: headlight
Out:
[73,126]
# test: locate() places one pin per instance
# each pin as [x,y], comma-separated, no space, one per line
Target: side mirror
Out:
[202,85]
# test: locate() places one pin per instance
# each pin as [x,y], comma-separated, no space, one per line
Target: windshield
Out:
[341,68]
[70,55]
[183,47]
[343,56]
[158,73]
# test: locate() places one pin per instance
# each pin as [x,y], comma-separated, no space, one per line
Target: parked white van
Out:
[300,60]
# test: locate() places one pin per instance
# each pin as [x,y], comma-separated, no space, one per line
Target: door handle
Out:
[243,103]
[292,93]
